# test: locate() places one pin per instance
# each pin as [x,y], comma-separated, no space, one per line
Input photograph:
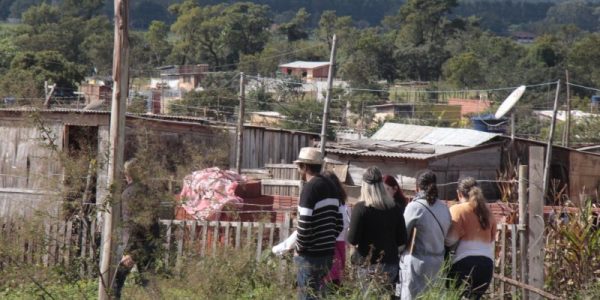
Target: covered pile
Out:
[207,192]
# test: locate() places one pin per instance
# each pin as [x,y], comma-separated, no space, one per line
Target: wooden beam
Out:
[535,224]
[526,286]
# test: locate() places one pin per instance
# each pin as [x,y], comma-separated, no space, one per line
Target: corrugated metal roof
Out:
[305,64]
[433,135]
[391,149]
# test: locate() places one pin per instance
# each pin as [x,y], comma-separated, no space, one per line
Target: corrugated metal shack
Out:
[403,150]
[30,172]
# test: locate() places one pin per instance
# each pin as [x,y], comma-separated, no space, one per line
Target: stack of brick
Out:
[281,204]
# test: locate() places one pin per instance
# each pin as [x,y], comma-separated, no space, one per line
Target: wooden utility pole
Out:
[549,145]
[240,127]
[535,221]
[328,97]
[567,129]
[108,256]
[523,200]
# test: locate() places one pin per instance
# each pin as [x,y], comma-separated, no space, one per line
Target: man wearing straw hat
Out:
[319,224]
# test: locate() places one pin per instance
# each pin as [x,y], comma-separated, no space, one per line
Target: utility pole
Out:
[546,175]
[109,259]
[567,129]
[240,127]
[328,97]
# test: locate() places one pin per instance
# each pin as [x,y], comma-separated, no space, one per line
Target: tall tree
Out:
[29,70]
[422,36]
[158,44]
[296,29]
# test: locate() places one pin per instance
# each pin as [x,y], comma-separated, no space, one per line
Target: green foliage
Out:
[368,59]
[29,70]
[420,48]
[296,29]
[157,39]
[577,12]
[84,289]
[302,114]
[218,99]
[464,70]
[572,252]
[584,59]
[330,24]
[259,99]
[138,104]
[219,33]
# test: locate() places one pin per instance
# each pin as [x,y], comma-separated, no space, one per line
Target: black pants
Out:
[144,265]
[474,273]
[120,278]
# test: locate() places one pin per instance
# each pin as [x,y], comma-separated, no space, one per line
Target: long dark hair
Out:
[336,181]
[427,182]
[469,189]
[398,195]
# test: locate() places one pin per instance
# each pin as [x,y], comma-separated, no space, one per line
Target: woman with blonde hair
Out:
[376,230]
[472,232]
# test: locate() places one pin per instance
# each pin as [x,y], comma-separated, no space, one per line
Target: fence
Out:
[73,244]
[202,238]
[50,244]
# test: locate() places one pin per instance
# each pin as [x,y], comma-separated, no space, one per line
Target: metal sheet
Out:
[433,135]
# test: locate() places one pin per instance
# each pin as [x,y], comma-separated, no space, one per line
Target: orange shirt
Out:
[472,239]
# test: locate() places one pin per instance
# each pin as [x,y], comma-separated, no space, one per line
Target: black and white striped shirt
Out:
[319,219]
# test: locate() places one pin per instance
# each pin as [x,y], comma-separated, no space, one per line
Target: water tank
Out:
[488,123]
[595,100]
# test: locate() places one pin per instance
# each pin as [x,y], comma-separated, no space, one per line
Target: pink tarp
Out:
[206,192]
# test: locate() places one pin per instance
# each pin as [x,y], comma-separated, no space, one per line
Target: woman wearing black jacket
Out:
[377,229]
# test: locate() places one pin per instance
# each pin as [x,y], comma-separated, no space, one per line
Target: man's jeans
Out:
[311,271]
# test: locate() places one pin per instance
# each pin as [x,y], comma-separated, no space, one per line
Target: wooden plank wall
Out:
[267,146]
[584,176]
[480,164]
[27,167]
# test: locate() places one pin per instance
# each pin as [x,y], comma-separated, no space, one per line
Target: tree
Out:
[217,104]
[97,46]
[369,58]
[259,98]
[330,24]
[464,70]
[8,49]
[296,29]
[158,44]
[421,39]
[304,115]
[198,32]
[577,12]
[584,60]
[29,70]
[85,9]
[245,30]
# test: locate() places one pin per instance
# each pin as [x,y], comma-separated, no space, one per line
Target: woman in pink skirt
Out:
[336,273]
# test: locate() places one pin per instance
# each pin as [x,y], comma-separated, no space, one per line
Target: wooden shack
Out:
[31,172]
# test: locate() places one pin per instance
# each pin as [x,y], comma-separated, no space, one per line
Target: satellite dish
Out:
[510,101]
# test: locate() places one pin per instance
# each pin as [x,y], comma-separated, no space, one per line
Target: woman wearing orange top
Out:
[472,232]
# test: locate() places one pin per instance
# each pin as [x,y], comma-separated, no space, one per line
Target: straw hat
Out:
[310,156]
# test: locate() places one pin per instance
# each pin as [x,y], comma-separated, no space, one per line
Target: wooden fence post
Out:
[523,236]
[536,224]
[259,241]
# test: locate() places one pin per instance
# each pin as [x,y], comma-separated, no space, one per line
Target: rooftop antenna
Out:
[507,107]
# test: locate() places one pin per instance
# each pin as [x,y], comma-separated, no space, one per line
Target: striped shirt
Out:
[319,219]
